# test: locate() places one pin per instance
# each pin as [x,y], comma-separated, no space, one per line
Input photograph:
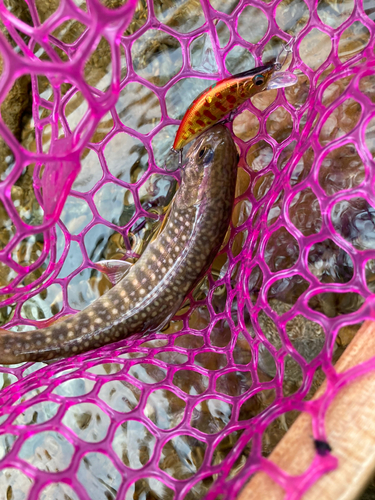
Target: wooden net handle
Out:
[350,427]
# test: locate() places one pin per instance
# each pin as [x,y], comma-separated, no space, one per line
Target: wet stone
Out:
[341,169]
[105,369]
[165,409]
[189,341]
[285,292]
[242,351]
[239,59]
[322,47]
[255,404]
[114,203]
[221,334]
[333,304]
[211,416]
[224,447]
[183,16]
[138,108]
[134,444]
[252,24]
[151,488]
[87,421]
[172,357]
[305,213]
[98,476]
[74,387]
[266,361]
[14,480]
[182,456]
[191,382]
[330,263]
[202,56]
[234,383]
[279,124]
[210,360]
[58,491]
[126,157]
[292,16]
[48,451]
[223,33]
[347,115]
[7,441]
[334,14]
[282,250]
[148,373]
[37,414]
[157,56]
[200,489]
[120,395]
[354,220]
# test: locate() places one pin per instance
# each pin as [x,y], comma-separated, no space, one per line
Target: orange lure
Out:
[214,103]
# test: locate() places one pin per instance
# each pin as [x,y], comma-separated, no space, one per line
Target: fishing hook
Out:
[288,49]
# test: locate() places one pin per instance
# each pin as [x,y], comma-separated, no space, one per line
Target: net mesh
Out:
[195,410]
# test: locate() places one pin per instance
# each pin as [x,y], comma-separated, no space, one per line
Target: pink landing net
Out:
[193,411]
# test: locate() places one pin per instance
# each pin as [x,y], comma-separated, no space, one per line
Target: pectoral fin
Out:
[115,270]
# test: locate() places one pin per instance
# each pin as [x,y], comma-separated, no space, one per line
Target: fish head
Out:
[211,158]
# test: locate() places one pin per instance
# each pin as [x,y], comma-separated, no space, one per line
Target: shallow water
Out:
[104,228]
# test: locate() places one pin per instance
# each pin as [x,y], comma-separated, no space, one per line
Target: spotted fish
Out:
[154,288]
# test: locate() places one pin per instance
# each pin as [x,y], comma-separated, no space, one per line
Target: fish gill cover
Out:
[195,410]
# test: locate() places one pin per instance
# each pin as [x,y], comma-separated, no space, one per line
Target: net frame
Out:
[64,157]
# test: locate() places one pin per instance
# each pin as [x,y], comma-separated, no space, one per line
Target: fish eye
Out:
[209,154]
[206,154]
[201,152]
[259,79]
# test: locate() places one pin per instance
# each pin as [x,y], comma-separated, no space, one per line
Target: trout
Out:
[155,287]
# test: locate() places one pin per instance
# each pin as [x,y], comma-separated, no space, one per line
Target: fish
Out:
[172,264]
[225,96]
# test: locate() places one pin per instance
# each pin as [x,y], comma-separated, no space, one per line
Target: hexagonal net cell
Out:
[91,98]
